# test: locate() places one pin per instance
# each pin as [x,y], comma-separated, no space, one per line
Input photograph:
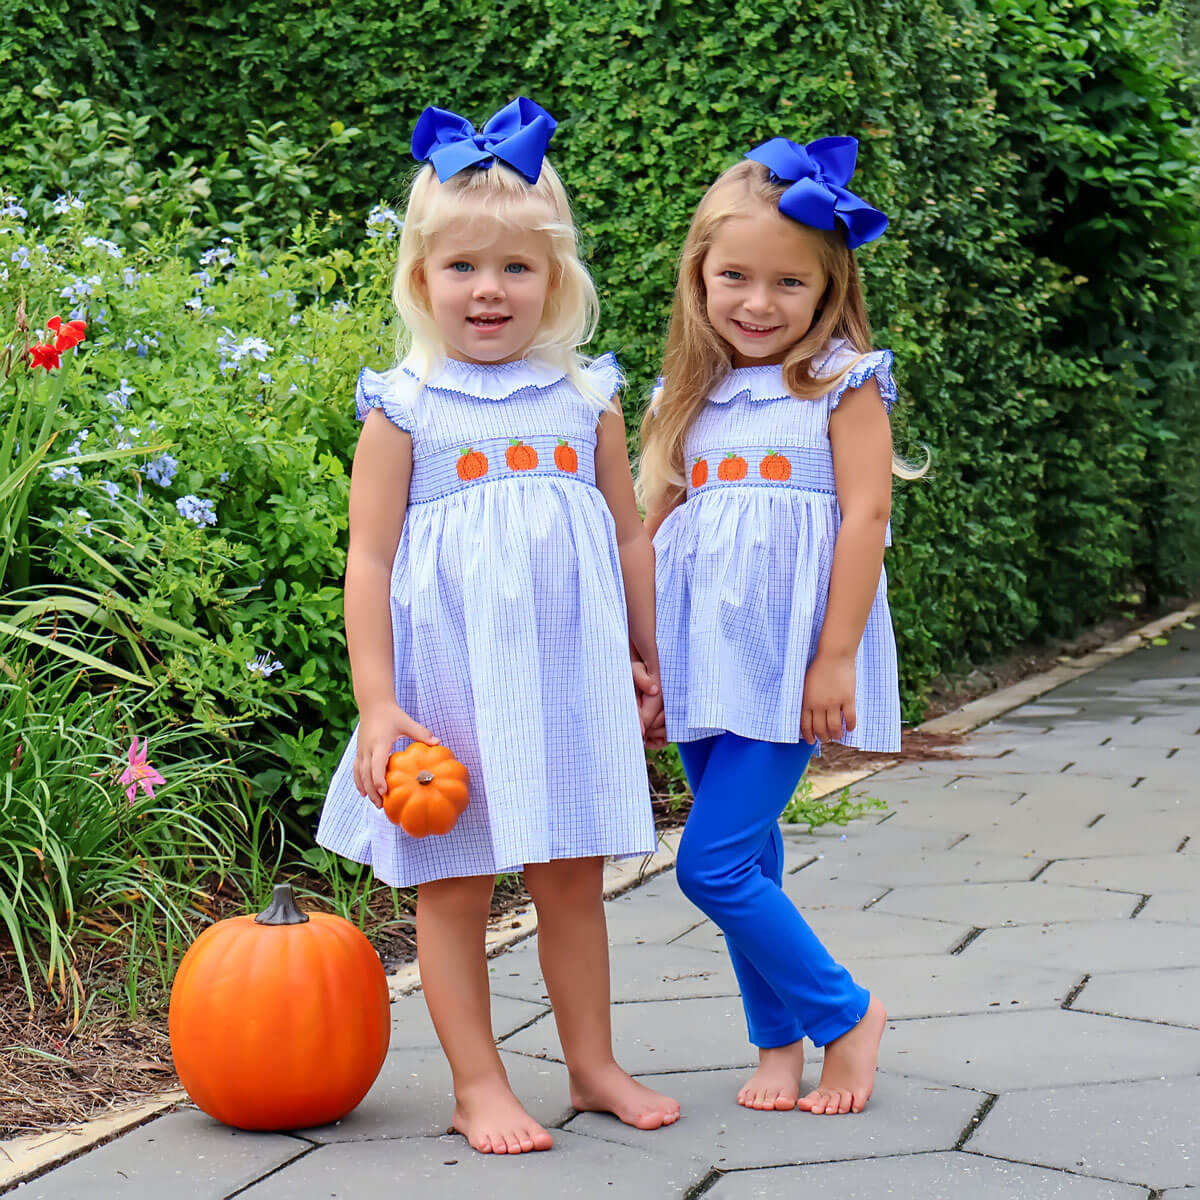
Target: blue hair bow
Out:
[517,135]
[818,196]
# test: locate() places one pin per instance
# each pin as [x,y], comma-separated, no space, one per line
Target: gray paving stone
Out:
[655,912]
[413,1029]
[1092,945]
[948,984]
[1000,1052]
[904,1115]
[888,837]
[1172,997]
[446,1168]
[1182,907]
[413,1098]
[955,867]
[995,904]
[1134,1132]
[1144,836]
[661,1036]
[637,973]
[1147,873]
[1187,1193]
[946,1176]
[183,1154]
[953,812]
[868,934]
[812,893]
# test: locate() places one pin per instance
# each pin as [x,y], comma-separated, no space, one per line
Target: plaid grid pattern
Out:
[509,633]
[743,570]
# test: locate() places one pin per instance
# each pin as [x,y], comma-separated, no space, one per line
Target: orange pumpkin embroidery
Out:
[699,472]
[471,464]
[565,458]
[775,466]
[732,468]
[519,456]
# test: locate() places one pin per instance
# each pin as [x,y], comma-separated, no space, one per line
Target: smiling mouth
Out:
[488,321]
[756,330]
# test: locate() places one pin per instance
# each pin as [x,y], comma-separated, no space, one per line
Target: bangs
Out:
[482,202]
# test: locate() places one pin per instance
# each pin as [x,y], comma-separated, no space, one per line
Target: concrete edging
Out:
[25,1157]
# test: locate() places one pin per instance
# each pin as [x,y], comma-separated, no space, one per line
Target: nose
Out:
[488,286]
[757,301]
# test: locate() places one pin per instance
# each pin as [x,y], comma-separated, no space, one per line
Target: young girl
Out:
[766,472]
[495,548]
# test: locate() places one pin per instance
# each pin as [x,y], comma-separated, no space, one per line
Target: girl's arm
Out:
[378,504]
[861,437]
[615,482]
[661,507]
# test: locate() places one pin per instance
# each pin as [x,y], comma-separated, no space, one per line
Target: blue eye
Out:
[461,267]
[789,282]
[516,268]
[732,274]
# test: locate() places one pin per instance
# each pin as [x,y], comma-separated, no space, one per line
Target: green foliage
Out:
[805,809]
[1038,159]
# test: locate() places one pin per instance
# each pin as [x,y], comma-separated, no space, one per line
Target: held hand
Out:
[649,692]
[378,730]
[828,699]
[655,732]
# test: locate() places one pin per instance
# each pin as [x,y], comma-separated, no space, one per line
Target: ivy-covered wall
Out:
[1038,159]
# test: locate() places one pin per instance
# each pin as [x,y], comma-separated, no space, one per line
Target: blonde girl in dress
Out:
[499,582]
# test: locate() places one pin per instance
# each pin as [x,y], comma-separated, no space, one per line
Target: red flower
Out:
[46,355]
[69,335]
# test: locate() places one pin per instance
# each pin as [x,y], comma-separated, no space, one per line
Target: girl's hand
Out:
[646,685]
[828,698]
[378,730]
[654,734]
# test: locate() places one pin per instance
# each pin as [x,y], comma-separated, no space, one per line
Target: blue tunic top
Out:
[743,565]
[509,627]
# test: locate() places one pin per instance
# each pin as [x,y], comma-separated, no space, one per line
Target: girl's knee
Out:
[698,875]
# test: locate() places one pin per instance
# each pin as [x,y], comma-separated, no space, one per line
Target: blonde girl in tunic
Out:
[766,473]
[498,576]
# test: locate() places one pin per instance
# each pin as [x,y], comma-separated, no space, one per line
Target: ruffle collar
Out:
[490,381]
[766,383]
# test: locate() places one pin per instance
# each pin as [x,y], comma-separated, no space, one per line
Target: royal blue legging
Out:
[730,865]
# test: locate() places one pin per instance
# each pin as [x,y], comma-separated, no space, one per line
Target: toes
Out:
[512,1143]
[542,1140]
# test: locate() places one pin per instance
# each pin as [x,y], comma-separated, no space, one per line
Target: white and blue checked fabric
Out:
[743,565]
[509,628]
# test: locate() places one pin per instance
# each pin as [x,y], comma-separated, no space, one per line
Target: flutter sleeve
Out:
[394,393]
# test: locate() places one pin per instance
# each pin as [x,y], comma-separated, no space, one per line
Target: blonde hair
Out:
[697,357]
[499,195]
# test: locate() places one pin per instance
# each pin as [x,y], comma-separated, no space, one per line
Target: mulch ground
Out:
[57,1069]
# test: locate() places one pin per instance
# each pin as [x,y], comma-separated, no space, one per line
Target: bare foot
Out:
[776,1084]
[848,1075]
[611,1090]
[493,1120]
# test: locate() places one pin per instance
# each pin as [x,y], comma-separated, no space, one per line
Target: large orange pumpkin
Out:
[471,463]
[279,1021]
[775,466]
[427,789]
[520,456]
[732,468]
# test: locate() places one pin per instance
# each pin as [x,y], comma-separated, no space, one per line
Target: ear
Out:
[420,284]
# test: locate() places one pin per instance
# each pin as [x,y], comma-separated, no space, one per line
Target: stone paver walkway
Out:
[1030,917]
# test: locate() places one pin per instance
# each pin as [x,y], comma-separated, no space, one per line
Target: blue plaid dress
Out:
[509,627]
[743,565]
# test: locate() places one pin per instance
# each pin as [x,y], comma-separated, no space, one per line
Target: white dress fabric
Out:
[509,628]
[743,565]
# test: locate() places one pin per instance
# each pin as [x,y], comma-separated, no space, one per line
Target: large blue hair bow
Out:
[517,135]
[818,196]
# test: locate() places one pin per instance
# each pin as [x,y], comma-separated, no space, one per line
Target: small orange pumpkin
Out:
[471,464]
[565,458]
[699,472]
[775,466]
[519,456]
[427,789]
[279,1021]
[732,468]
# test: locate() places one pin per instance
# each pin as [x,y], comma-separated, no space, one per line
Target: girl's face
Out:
[763,281]
[486,296]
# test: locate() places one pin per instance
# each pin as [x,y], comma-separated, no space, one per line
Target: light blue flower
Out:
[81,288]
[196,510]
[264,665]
[109,248]
[119,397]
[383,222]
[21,257]
[232,351]
[60,473]
[13,209]
[65,202]
[161,470]
[112,489]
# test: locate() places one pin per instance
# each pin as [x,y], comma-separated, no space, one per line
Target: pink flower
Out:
[140,773]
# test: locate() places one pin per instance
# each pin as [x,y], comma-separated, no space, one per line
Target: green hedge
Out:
[1037,158]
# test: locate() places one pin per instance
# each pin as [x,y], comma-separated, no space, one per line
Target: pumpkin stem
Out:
[282,910]
[424,776]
